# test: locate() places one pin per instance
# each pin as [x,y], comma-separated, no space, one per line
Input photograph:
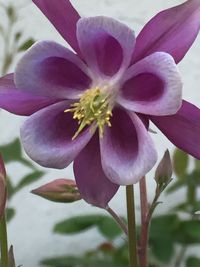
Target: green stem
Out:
[144,235]
[132,235]
[4,242]
[118,220]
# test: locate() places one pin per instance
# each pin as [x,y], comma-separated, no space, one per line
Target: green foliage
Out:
[180,162]
[10,213]
[193,262]
[12,152]
[106,225]
[28,179]
[26,45]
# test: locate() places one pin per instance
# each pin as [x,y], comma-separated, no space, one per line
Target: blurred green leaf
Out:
[109,228]
[77,224]
[163,248]
[18,35]
[180,162]
[10,213]
[13,152]
[28,179]
[163,225]
[10,187]
[106,225]
[188,232]
[193,262]
[26,45]
[193,178]
[62,262]
[82,262]
[10,10]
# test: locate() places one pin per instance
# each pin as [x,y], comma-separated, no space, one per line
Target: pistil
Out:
[93,108]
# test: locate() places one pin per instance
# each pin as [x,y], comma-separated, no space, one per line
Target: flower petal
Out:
[106,44]
[173,31]
[51,69]
[94,186]
[183,128]
[63,16]
[152,86]
[47,136]
[127,151]
[18,101]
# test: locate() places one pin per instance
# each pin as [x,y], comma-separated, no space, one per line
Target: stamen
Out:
[93,107]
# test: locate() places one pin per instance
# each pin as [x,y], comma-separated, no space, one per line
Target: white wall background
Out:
[30,231]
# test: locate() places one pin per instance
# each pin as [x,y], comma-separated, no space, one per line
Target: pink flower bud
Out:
[60,190]
[11,257]
[163,172]
[3,191]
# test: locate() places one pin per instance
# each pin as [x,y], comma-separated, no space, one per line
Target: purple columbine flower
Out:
[93,107]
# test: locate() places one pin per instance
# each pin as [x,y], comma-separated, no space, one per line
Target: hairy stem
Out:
[4,242]
[144,235]
[118,220]
[132,235]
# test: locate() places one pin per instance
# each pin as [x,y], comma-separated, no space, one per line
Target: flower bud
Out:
[11,257]
[3,190]
[60,190]
[163,172]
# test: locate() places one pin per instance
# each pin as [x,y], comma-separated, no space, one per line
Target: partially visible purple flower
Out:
[113,80]
[3,187]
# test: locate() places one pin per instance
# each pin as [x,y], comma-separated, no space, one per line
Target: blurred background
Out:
[30,230]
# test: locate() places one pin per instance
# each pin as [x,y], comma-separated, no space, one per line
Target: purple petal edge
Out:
[183,128]
[63,16]
[173,31]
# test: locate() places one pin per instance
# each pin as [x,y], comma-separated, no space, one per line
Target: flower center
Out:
[93,107]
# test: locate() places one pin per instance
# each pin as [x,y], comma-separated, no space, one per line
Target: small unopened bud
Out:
[163,172]
[11,257]
[3,190]
[60,190]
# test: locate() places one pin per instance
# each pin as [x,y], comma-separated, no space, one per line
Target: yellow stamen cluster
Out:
[93,107]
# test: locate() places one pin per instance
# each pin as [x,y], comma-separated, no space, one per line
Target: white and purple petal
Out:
[94,186]
[106,44]
[183,128]
[173,31]
[47,136]
[63,16]
[152,86]
[21,102]
[127,150]
[50,69]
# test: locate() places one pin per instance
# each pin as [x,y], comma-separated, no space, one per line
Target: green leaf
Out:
[193,262]
[109,228]
[28,179]
[10,187]
[10,213]
[62,262]
[188,232]
[26,45]
[11,151]
[180,162]
[163,225]
[163,249]
[18,36]
[77,224]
